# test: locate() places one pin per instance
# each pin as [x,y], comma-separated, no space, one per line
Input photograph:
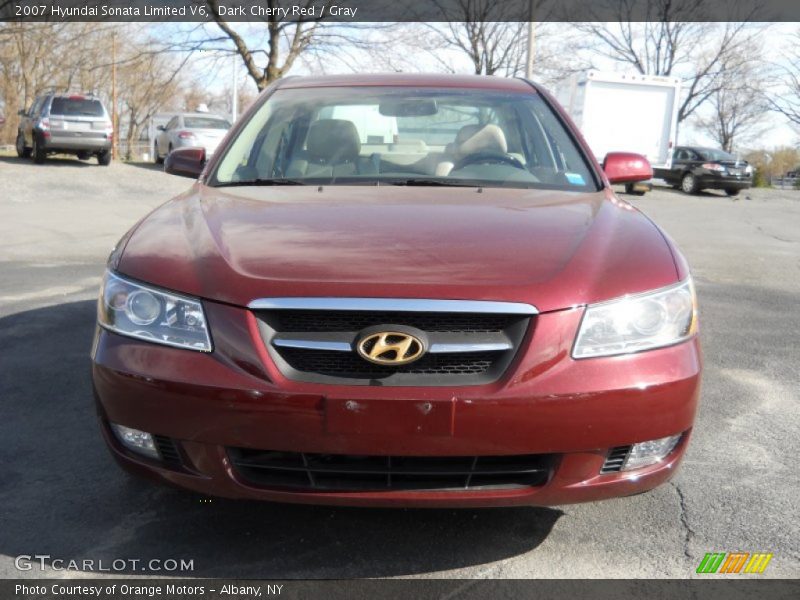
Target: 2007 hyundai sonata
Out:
[400,291]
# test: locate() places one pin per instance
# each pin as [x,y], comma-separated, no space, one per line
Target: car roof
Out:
[424,80]
[207,115]
[703,148]
[75,95]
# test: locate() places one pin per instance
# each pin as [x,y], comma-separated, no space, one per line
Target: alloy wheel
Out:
[688,183]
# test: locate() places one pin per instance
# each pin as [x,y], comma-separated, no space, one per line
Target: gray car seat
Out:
[332,149]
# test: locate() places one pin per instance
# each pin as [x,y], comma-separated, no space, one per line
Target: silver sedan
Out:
[196,130]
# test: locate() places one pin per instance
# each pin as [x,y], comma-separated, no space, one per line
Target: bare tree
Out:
[773,163]
[35,57]
[286,38]
[274,46]
[673,41]
[739,106]
[148,81]
[735,116]
[477,29]
[487,33]
[488,36]
[38,56]
[786,97]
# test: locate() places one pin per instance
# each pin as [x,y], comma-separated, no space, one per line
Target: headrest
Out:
[472,139]
[333,141]
[409,146]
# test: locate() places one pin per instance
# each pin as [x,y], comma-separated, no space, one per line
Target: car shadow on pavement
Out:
[701,193]
[149,166]
[53,161]
[63,495]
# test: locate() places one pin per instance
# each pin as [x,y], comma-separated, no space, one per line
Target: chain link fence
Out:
[137,150]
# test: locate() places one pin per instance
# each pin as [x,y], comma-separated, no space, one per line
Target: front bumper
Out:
[547,403]
[714,181]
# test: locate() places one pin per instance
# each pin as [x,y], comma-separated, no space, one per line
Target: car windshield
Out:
[205,123]
[712,154]
[76,107]
[404,136]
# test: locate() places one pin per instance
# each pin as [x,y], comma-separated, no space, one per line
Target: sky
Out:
[775,130]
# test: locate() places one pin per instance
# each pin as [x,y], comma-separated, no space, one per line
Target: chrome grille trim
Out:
[346,347]
[476,347]
[395,304]
[313,345]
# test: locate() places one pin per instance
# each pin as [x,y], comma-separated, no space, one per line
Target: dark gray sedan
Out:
[694,169]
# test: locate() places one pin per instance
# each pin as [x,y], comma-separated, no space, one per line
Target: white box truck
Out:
[625,113]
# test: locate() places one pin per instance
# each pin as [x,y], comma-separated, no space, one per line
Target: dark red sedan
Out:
[400,291]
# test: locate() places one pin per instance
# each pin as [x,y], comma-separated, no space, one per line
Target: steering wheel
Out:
[488,157]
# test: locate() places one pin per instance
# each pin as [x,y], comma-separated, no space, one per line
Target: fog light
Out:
[137,441]
[650,453]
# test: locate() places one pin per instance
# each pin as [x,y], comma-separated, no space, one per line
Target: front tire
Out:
[104,158]
[157,159]
[629,189]
[689,184]
[37,151]
[22,151]
[732,191]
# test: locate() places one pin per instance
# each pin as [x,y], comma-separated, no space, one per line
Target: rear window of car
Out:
[205,123]
[711,154]
[75,107]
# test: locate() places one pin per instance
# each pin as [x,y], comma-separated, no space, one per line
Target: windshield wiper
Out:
[432,182]
[256,182]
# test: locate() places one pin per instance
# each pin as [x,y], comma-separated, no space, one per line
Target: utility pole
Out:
[235,93]
[114,119]
[531,41]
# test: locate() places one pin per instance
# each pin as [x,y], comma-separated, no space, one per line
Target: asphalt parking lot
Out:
[62,495]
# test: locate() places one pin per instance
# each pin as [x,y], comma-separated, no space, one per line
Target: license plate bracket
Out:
[390,417]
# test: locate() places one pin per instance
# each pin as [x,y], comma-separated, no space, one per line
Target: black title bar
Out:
[354,11]
[405,589]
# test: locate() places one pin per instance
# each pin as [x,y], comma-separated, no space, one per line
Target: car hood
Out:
[552,249]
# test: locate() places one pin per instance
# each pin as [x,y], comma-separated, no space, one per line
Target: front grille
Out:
[492,340]
[615,459]
[168,450]
[356,320]
[349,364]
[339,472]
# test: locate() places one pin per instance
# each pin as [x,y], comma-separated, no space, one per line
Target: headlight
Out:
[641,322]
[157,316]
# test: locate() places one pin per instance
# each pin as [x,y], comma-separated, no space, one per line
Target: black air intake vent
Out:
[615,460]
[168,449]
[340,472]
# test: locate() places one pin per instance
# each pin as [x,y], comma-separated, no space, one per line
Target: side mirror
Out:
[627,167]
[161,128]
[186,162]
